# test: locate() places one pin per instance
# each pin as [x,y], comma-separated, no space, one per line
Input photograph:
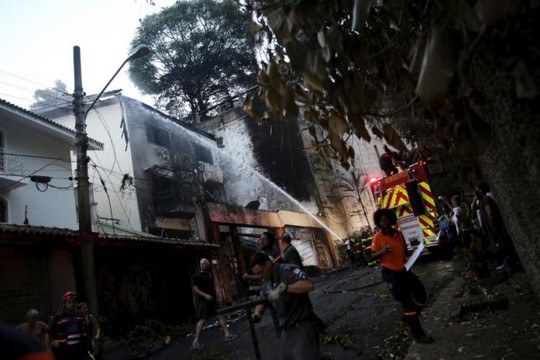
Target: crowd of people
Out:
[69,335]
[285,287]
[477,230]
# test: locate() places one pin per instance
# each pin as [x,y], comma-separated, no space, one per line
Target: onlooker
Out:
[68,334]
[15,345]
[350,252]
[493,227]
[290,253]
[205,294]
[389,246]
[92,326]
[460,220]
[35,328]
[287,287]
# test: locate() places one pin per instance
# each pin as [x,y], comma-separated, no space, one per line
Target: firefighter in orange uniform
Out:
[389,246]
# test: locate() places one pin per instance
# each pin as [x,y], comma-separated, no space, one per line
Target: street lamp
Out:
[83,195]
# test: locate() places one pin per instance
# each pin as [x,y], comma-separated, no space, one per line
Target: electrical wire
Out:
[107,130]
[34,82]
[46,186]
[70,187]
[34,92]
[17,87]
[9,186]
[16,97]
[108,200]
[117,196]
[39,157]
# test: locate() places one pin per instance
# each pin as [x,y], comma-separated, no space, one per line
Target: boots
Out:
[417,331]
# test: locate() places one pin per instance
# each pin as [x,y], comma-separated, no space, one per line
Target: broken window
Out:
[163,190]
[158,136]
[203,154]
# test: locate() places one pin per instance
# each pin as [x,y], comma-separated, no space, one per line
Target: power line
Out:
[38,157]
[34,82]
[16,87]
[34,172]
[27,176]
[16,97]
[117,196]
[109,201]
[107,130]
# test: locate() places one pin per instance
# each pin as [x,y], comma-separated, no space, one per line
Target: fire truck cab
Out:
[409,194]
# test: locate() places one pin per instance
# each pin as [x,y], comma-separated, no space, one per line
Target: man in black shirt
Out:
[205,294]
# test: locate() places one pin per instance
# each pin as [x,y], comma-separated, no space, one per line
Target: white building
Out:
[152,171]
[36,183]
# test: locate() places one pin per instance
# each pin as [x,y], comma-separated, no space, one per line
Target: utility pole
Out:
[83,195]
[86,236]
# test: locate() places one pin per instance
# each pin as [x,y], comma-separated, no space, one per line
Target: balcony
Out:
[11,170]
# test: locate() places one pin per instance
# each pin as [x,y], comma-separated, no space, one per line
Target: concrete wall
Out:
[338,190]
[190,159]
[263,165]
[320,189]
[103,125]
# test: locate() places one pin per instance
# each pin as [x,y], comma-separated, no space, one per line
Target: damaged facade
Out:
[139,276]
[161,176]
[283,152]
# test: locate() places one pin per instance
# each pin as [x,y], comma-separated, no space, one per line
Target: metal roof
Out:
[46,121]
[101,238]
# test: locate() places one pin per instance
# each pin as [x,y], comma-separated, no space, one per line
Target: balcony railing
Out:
[9,163]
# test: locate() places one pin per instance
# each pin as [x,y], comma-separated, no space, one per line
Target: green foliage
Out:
[202,54]
[51,97]
[362,65]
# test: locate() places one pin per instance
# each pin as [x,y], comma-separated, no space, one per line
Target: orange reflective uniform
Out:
[394,260]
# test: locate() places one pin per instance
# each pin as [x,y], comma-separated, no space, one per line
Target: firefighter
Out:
[267,243]
[389,246]
[69,339]
[386,161]
[287,287]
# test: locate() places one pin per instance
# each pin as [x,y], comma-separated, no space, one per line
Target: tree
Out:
[467,66]
[51,97]
[202,54]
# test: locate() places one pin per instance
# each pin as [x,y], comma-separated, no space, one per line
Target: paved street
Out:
[493,318]
[363,321]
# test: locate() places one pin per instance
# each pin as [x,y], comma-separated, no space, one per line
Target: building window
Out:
[158,136]
[3,211]
[203,154]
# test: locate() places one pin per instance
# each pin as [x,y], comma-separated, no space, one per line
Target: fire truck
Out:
[409,194]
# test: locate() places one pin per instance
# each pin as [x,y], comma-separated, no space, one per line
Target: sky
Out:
[37,39]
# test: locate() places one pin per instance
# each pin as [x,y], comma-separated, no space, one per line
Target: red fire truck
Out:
[409,194]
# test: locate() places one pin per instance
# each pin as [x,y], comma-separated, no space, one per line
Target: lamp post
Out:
[83,195]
